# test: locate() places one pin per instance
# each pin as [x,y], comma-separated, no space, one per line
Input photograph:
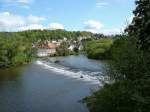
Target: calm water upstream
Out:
[45,86]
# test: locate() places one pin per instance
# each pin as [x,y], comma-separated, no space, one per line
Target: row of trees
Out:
[129,69]
[35,35]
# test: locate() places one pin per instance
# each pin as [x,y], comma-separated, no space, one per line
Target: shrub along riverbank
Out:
[98,49]
[14,50]
[129,69]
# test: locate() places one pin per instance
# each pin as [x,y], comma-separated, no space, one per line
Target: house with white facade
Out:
[46,49]
[71,47]
[45,52]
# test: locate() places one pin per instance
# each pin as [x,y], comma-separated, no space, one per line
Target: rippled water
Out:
[46,86]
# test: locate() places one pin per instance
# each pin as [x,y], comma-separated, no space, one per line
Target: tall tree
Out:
[140,26]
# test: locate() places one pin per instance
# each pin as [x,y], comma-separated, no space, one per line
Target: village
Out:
[50,47]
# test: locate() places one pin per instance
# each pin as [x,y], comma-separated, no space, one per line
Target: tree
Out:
[14,49]
[140,26]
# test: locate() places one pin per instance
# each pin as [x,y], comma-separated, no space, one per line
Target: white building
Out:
[65,39]
[80,47]
[45,52]
[71,48]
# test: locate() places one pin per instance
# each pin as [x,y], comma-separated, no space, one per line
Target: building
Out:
[46,49]
[45,52]
[81,47]
[71,47]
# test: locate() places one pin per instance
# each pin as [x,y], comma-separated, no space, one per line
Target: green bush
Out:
[123,96]
[19,59]
[97,49]
[14,50]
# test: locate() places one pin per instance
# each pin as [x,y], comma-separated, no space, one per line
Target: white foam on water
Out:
[69,73]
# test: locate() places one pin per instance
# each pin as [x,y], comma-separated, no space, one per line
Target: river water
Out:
[50,85]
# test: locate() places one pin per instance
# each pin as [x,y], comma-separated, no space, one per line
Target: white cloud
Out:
[11,22]
[35,19]
[55,26]
[32,27]
[101,4]
[52,26]
[93,25]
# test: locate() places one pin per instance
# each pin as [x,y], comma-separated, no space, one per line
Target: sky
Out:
[98,16]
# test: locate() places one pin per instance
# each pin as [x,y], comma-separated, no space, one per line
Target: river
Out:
[50,85]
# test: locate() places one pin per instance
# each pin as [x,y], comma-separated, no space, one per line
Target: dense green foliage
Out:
[129,70]
[140,26]
[123,96]
[34,35]
[14,50]
[97,49]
